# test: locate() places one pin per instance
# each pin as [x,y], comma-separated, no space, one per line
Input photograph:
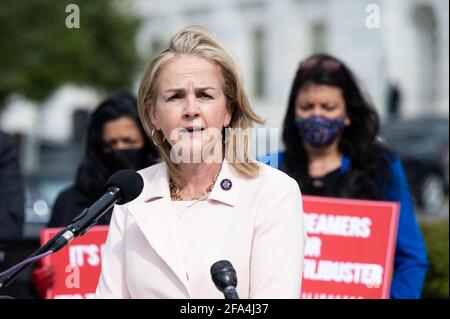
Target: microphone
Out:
[121,188]
[224,277]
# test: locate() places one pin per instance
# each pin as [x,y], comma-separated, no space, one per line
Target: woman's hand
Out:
[43,278]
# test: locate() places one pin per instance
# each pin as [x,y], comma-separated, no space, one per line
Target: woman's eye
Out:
[204,96]
[129,141]
[306,106]
[174,97]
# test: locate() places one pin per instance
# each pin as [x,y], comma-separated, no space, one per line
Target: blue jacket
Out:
[410,262]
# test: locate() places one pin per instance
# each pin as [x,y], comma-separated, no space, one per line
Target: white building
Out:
[51,121]
[383,41]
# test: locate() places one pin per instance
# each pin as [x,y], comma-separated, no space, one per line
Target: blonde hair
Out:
[198,41]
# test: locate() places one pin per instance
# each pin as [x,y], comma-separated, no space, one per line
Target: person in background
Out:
[115,140]
[331,148]
[12,206]
[394,101]
[12,213]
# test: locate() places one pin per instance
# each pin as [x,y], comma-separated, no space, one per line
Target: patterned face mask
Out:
[318,130]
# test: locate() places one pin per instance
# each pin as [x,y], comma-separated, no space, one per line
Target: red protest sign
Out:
[78,265]
[350,248]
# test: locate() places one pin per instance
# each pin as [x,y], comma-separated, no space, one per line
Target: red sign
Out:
[78,265]
[350,248]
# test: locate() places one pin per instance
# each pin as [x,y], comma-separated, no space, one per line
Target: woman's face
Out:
[121,134]
[319,99]
[190,102]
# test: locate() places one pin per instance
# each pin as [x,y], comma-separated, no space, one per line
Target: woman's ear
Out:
[227,120]
[347,121]
[152,115]
[228,116]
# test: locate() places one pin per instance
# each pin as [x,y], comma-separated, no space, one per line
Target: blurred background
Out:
[52,76]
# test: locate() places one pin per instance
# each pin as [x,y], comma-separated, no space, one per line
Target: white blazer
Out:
[256,224]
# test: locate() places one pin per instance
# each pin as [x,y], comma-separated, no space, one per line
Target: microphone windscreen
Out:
[223,274]
[129,182]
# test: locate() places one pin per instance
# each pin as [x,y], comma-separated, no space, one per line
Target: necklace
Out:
[175,190]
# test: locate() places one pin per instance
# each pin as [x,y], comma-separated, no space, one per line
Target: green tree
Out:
[437,241]
[38,52]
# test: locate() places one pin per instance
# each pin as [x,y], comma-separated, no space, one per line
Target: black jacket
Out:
[69,204]
[12,212]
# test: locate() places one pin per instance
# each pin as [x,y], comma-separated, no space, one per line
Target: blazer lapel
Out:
[153,214]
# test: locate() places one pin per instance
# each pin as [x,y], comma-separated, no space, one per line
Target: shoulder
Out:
[273,178]
[68,193]
[155,178]
[396,172]
[71,198]
[149,172]
[153,173]
[275,195]
[275,159]
[389,160]
[66,206]
[395,162]
[385,160]
[384,155]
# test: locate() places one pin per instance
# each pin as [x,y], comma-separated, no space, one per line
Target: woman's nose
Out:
[120,145]
[191,109]
[317,110]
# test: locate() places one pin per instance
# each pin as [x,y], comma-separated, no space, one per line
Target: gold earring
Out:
[153,139]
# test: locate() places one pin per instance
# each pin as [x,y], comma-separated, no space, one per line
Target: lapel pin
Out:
[226,184]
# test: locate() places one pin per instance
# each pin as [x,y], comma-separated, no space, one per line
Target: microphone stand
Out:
[8,278]
[80,225]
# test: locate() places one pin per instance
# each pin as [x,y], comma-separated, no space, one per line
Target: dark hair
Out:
[367,175]
[93,171]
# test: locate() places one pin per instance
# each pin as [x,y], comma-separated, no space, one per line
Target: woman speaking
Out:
[207,200]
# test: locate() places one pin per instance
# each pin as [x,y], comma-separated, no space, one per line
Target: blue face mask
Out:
[319,131]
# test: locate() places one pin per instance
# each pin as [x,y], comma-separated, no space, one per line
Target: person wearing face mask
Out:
[115,140]
[331,149]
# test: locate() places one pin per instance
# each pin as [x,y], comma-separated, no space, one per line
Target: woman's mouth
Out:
[194,129]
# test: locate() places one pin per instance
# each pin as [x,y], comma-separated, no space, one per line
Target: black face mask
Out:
[127,158]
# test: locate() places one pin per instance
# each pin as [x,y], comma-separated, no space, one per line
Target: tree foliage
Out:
[437,241]
[38,52]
